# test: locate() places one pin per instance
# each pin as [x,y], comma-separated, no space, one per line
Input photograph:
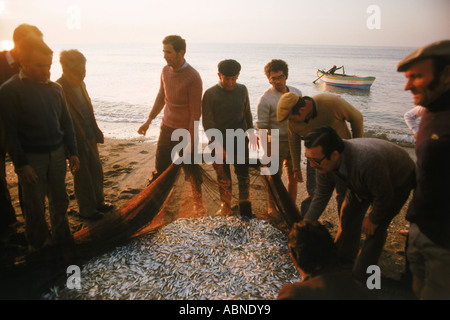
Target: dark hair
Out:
[229,67]
[31,44]
[276,65]
[177,42]
[439,64]
[327,138]
[24,30]
[300,104]
[311,246]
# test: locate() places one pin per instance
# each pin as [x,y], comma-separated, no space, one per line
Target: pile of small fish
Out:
[209,258]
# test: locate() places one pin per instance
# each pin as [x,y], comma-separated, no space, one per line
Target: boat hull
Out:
[346,81]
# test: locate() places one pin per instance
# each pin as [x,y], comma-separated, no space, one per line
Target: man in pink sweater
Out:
[181,94]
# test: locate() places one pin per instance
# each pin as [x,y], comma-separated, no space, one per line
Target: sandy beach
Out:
[127,166]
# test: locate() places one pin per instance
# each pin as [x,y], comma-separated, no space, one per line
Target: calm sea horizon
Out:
[123,80]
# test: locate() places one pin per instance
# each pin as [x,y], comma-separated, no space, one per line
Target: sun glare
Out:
[6,44]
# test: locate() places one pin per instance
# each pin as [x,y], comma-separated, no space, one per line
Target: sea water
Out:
[123,81]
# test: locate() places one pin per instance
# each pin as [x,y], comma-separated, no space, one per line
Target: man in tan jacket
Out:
[308,113]
[88,181]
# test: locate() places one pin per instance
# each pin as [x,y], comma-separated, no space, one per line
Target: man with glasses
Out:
[305,114]
[277,74]
[379,177]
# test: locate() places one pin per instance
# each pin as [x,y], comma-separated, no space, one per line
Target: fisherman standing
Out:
[180,95]
[277,72]
[427,71]
[39,133]
[226,105]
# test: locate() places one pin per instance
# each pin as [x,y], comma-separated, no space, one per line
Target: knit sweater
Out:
[267,112]
[222,109]
[36,118]
[430,206]
[330,110]
[181,94]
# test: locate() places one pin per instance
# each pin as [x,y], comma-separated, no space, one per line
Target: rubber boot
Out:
[245,209]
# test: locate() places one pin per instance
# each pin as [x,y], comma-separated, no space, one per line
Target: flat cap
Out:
[435,49]
[285,104]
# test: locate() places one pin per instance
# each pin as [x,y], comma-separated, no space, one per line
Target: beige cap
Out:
[435,49]
[285,104]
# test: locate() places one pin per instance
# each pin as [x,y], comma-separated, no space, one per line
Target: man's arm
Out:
[207,112]
[9,110]
[195,92]
[263,124]
[158,105]
[356,119]
[295,147]
[67,125]
[325,185]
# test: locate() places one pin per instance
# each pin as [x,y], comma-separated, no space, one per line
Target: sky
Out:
[407,23]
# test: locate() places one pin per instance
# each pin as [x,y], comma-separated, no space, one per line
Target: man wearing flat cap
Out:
[226,105]
[427,71]
[308,113]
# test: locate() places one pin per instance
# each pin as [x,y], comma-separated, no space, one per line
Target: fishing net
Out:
[167,199]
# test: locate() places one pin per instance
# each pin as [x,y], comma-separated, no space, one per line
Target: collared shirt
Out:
[10,59]
[185,64]
[22,76]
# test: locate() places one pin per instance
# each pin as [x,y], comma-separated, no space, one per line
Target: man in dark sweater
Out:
[9,66]
[427,71]
[38,131]
[227,106]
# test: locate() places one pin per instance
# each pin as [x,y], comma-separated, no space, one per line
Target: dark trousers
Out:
[50,169]
[163,159]
[240,160]
[88,180]
[7,212]
[349,234]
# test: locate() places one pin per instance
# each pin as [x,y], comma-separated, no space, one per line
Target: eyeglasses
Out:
[315,161]
[279,78]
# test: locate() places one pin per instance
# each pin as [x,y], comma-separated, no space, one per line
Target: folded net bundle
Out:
[167,199]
